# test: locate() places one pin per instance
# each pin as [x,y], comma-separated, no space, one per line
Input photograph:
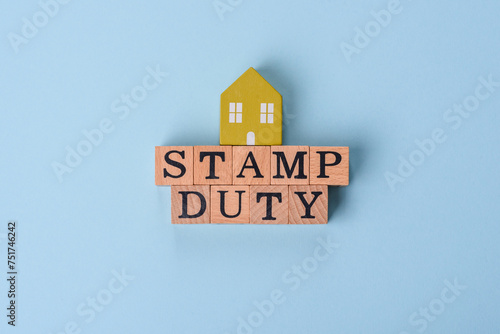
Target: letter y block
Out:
[308,204]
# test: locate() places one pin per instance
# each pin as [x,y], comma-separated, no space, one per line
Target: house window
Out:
[267,113]
[235,112]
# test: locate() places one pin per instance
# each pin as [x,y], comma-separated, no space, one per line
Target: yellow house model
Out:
[250,112]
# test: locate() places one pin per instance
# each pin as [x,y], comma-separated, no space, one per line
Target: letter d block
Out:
[190,204]
[230,204]
[268,204]
[308,204]
[329,165]
[173,165]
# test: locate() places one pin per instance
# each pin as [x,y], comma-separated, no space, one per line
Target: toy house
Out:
[250,112]
[250,178]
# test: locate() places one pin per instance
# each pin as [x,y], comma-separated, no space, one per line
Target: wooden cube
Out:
[289,165]
[329,165]
[230,204]
[251,165]
[173,165]
[213,165]
[190,204]
[308,204]
[268,204]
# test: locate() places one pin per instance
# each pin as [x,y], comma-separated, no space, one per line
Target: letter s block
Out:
[190,204]
[173,165]
[329,165]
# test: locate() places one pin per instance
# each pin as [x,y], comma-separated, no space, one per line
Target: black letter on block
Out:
[223,203]
[258,174]
[212,156]
[175,164]
[185,204]
[288,170]
[269,203]
[323,164]
[308,206]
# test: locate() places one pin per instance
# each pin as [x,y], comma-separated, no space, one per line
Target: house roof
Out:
[253,79]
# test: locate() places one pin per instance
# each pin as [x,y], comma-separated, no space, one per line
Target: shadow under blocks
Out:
[251,178]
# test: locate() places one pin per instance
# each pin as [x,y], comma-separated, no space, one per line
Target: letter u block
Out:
[190,204]
[230,204]
[173,165]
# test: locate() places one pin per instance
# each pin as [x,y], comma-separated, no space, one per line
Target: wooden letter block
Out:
[269,204]
[230,204]
[173,165]
[251,165]
[329,165]
[190,204]
[289,164]
[308,204]
[213,165]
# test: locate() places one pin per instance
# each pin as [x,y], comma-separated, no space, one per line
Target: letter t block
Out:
[213,165]
[268,204]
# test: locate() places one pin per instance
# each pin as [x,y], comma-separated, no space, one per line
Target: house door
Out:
[250,138]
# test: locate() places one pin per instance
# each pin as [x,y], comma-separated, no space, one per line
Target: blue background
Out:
[396,247]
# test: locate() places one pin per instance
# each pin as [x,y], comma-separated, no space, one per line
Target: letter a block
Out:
[269,204]
[173,165]
[230,204]
[213,165]
[190,204]
[329,165]
[308,204]
[289,164]
[251,165]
